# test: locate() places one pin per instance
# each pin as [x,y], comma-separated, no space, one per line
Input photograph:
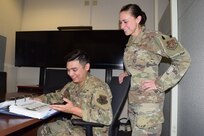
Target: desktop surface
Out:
[23,126]
[12,124]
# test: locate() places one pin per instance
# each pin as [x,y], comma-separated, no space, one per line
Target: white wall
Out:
[164,16]
[191,102]
[10,22]
[162,5]
[49,14]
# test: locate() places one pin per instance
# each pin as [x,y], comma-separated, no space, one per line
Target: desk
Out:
[9,125]
[20,126]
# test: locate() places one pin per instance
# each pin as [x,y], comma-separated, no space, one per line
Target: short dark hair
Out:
[135,11]
[79,55]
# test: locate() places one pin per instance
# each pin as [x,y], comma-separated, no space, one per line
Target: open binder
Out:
[26,107]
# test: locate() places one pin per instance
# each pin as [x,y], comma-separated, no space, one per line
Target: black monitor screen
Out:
[48,48]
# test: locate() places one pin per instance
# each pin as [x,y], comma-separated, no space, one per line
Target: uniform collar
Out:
[136,39]
[86,80]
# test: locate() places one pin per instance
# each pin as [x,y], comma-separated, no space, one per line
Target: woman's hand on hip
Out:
[148,85]
[121,76]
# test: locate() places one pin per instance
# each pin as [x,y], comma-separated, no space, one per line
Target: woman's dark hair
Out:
[79,55]
[135,11]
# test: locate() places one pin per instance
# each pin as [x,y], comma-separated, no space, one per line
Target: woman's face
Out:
[128,23]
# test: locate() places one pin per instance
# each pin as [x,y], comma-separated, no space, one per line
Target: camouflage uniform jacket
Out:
[142,57]
[93,97]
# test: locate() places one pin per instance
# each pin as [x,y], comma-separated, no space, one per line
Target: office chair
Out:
[3,77]
[55,79]
[120,94]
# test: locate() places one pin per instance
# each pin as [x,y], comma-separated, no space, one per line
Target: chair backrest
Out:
[3,77]
[55,79]
[120,94]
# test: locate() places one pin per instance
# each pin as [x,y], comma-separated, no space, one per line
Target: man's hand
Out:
[67,107]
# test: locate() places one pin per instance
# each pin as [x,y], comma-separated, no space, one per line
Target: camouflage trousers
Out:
[65,128]
[146,119]
[153,131]
[60,128]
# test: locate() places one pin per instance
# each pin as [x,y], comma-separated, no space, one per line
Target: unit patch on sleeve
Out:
[102,99]
[170,45]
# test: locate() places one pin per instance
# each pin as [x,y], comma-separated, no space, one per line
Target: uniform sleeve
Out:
[99,108]
[180,62]
[55,97]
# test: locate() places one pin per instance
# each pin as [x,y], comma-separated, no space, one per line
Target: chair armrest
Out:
[88,125]
[80,122]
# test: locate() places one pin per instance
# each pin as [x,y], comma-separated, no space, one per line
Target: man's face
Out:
[77,72]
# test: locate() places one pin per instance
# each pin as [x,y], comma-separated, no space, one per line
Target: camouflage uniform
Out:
[94,97]
[141,59]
